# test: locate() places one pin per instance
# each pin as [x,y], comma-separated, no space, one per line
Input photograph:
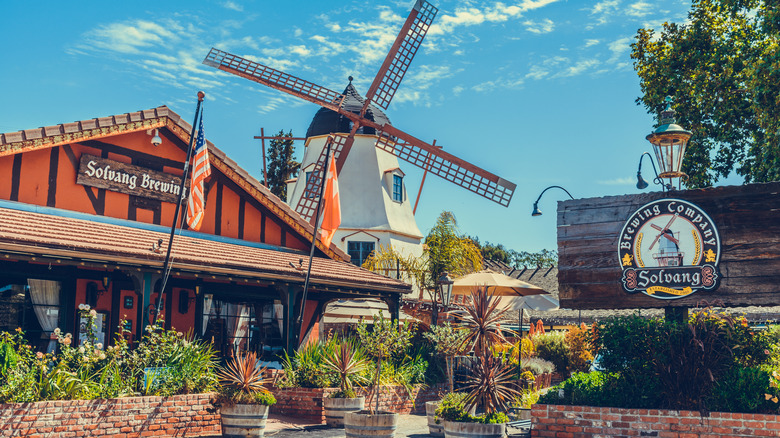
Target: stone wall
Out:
[586,421]
[307,402]
[177,416]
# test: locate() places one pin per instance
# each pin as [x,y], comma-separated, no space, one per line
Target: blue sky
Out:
[538,92]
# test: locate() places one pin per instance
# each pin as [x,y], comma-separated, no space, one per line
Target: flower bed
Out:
[306,403]
[175,416]
[557,421]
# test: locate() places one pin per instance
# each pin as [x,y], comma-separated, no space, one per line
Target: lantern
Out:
[669,141]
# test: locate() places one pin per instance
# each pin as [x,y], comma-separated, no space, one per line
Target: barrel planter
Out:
[243,420]
[364,424]
[434,429]
[454,429]
[335,408]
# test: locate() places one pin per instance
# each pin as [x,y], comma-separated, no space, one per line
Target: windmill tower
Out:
[356,123]
[371,214]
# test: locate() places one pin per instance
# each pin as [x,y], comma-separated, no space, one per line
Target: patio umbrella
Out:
[498,285]
[544,302]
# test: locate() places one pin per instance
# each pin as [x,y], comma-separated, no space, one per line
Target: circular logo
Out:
[669,249]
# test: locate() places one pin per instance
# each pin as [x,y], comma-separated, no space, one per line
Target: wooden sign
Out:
[657,249]
[127,178]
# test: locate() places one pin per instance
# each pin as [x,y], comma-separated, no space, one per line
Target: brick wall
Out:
[307,402]
[586,421]
[177,416]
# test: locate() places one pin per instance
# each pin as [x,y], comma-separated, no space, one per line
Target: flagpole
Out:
[175,223]
[316,229]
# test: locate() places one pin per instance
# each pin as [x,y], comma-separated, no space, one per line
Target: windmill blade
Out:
[446,165]
[307,203]
[275,79]
[401,54]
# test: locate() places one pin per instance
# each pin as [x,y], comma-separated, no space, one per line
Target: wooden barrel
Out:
[430,411]
[335,408]
[363,424]
[453,429]
[243,421]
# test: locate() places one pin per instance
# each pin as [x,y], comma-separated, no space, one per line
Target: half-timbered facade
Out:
[85,214]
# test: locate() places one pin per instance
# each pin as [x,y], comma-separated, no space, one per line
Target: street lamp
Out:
[669,141]
[538,212]
[444,288]
[641,183]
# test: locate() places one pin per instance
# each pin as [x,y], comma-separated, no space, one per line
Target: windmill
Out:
[390,139]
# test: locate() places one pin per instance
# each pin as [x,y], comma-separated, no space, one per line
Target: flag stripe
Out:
[331,212]
[201,169]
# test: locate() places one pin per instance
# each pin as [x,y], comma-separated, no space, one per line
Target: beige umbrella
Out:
[498,285]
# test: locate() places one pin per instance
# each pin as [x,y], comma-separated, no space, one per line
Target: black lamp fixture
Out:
[641,183]
[445,288]
[538,212]
[669,142]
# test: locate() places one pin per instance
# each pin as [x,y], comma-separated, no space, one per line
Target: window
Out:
[359,251]
[398,188]
[309,177]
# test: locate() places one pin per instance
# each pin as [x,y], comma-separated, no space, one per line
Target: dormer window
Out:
[394,184]
[398,188]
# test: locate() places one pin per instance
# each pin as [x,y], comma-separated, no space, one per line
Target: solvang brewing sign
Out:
[719,245]
[669,249]
[127,178]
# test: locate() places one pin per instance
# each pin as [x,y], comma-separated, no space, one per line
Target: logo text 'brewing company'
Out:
[669,249]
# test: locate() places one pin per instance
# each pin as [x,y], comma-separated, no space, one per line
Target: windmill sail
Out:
[402,52]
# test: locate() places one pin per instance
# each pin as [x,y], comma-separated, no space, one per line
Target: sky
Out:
[538,92]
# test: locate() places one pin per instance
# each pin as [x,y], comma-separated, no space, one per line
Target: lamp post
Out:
[444,288]
[669,142]
[538,212]
[641,183]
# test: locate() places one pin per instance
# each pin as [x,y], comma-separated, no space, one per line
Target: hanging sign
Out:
[127,178]
[669,249]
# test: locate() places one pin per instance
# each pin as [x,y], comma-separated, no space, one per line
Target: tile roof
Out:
[46,235]
[160,117]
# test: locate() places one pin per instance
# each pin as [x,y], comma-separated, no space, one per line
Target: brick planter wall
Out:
[177,416]
[586,421]
[307,402]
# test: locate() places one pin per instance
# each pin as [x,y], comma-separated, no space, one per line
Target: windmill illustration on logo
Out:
[362,121]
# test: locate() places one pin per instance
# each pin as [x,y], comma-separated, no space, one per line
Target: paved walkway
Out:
[277,426]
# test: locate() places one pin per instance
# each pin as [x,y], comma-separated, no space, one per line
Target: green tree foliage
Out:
[445,250]
[516,259]
[281,165]
[723,70]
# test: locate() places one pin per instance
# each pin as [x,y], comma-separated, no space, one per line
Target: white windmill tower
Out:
[356,125]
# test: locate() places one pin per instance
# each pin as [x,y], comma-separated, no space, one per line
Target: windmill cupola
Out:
[327,121]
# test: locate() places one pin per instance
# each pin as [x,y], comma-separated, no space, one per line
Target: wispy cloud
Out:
[466,16]
[625,181]
[233,6]
[539,27]
[639,9]
[603,11]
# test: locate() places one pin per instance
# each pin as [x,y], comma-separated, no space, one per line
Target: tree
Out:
[723,71]
[445,250]
[544,257]
[281,165]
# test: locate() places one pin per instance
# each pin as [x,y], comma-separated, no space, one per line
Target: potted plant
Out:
[347,362]
[243,399]
[490,382]
[447,341]
[382,341]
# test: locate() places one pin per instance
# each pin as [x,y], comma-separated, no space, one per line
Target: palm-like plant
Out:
[490,384]
[350,366]
[243,380]
[482,319]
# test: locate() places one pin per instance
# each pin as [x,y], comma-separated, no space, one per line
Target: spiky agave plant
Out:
[481,318]
[347,362]
[243,381]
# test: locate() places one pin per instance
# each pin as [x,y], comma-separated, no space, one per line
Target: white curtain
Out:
[279,315]
[237,316]
[45,296]
[208,299]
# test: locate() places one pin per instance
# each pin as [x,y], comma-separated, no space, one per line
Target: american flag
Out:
[200,171]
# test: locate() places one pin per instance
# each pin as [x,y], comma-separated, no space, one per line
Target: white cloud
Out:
[591,42]
[625,181]
[639,9]
[543,26]
[603,11]
[130,37]
[234,6]
[619,49]
[473,16]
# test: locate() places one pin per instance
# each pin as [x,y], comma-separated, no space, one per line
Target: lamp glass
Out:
[445,286]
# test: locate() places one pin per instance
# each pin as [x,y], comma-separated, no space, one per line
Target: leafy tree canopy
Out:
[281,165]
[723,70]
[498,253]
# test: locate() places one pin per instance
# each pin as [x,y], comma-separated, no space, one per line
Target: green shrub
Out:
[742,389]
[551,346]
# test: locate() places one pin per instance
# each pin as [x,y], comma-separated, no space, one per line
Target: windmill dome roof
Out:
[327,121]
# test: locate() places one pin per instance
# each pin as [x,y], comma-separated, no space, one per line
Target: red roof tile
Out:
[45,235]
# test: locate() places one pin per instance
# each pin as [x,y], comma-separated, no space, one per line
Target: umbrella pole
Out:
[520,329]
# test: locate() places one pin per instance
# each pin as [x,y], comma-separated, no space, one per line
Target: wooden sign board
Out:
[127,178]
[593,270]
